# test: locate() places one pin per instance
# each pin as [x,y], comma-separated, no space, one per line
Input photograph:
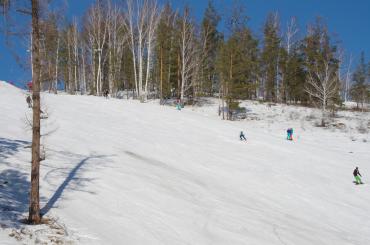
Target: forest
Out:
[146,50]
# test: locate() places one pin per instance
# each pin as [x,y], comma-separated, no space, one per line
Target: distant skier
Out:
[106,93]
[289,134]
[357,175]
[178,104]
[29,86]
[242,136]
[29,101]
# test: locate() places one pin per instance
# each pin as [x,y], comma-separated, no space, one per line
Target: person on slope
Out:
[29,101]
[178,104]
[242,136]
[356,174]
[106,93]
[289,134]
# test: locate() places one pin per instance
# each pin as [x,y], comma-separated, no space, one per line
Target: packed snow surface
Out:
[125,172]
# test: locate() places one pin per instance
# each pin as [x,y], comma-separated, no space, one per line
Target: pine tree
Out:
[210,39]
[292,67]
[237,63]
[270,58]
[166,55]
[294,79]
[360,88]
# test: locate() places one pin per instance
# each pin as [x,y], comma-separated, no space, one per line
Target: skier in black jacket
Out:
[357,175]
[242,136]
[29,101]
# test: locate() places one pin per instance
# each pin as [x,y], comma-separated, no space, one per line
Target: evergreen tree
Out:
[270,58]
[166,53]
[360,88]
[238,62]
[210,39]
[295,76]
[292,67]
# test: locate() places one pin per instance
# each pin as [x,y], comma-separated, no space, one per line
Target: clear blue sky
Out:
[348,20]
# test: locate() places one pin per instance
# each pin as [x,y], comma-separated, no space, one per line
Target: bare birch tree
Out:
[347,80]
[55,87]
[322,82]
[116,41]
[153,17]
[188,53]
[141,21]
[97,28]
[75,41]
[291,34]
[290,43]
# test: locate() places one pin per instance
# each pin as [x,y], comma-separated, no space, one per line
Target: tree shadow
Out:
[71,180]
[15,185]
[14,190]
[10,147]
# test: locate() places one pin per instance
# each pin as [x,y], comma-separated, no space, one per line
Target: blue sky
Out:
[348,21]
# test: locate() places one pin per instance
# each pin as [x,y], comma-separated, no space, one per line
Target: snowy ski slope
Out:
[123,172]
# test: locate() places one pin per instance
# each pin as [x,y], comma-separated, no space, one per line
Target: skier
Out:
[29,86]
[242,136]
[357,175]
[178,104]
[289,134]
[29,101]
[106,93]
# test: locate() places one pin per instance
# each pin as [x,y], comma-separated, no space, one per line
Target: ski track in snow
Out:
[123,172]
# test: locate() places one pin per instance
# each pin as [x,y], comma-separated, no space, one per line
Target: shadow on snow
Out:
[14,189]
[10,147]
[15,186]
[72,181]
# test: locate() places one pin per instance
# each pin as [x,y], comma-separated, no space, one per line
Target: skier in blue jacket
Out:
[289,134]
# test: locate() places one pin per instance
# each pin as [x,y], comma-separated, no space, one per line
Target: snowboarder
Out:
[29,101]
[356,174]
[289,134]
[242,136]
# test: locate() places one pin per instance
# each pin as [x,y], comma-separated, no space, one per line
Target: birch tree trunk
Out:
[97,30]
[75,51]
[348,79]
[153,18]
[69,62]
[56,67]
[187,53]
[141,21]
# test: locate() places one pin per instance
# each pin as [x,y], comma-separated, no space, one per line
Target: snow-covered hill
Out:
[123,172]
